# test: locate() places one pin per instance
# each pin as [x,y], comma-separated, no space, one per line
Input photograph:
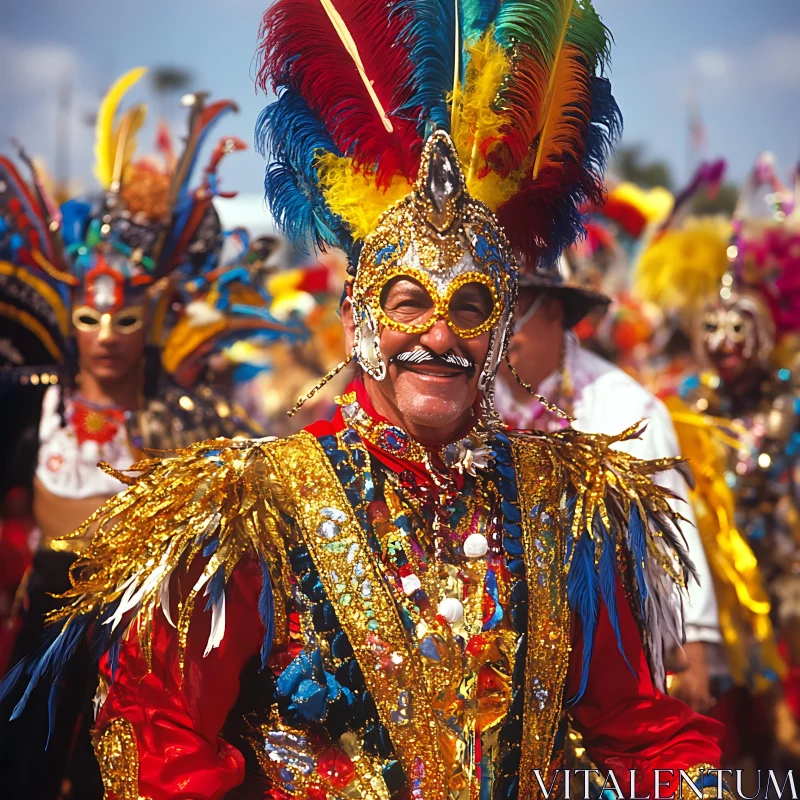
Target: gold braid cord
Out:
[551,407]
[118,757]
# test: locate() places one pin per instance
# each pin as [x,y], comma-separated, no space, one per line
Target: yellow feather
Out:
[354,195]
[125,139]
[654,204]
[105,136]
[477,121]
[682,269]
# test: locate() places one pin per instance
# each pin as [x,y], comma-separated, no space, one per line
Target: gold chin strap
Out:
[332,374]
[551,407]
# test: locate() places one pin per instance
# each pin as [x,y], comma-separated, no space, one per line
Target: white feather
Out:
[163,598]
[217,625]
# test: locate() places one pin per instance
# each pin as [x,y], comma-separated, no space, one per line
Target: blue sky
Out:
[738,61]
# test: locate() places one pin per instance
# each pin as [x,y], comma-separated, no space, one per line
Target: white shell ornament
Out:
[475,546]
[451,609]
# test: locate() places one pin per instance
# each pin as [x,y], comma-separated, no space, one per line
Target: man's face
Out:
[432,377]
[110,346]
[538,334]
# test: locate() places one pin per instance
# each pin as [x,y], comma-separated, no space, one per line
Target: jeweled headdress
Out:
[93,263]
[446,141]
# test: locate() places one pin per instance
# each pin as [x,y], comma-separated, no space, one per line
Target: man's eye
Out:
[85,319]
[409,302]
[127,321]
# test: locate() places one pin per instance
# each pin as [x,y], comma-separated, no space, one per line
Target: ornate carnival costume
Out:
[396,620]
[737,423]
[132,259]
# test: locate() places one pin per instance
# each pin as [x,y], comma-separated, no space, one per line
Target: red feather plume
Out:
[301,49]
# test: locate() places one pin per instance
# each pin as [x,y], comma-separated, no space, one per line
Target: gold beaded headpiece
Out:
[400,129]
[443,239]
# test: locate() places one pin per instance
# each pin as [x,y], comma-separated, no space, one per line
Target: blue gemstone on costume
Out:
[428,648]
[369,488]
[403,523]
[341,647]
[300,560]
[384,253]
[359,457]
[328,441]
[338,456]
[516,566]
[513,546]
[394,440]
[353,496]
[312,587]
[512,529]
[511,512]
[345,472]
[505,469]
[349,436]
[394,777]
[519,594]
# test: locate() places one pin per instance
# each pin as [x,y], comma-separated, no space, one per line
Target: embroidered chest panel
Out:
[433,621]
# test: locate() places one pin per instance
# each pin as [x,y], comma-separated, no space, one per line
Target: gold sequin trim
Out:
[118,758]
[366,611]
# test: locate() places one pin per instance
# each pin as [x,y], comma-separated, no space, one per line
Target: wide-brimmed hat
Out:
[557,279]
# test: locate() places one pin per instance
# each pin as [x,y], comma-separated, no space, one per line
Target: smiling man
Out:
[403,601]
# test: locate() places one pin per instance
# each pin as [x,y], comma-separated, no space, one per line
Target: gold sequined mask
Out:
[740,322]
[448,243]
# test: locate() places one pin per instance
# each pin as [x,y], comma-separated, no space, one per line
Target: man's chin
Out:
[434,401]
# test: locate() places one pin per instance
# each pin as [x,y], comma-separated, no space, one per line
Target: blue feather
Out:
[74,220]
[113,653]
[180,216]
[605,128]
[583,595]
[608,586]
[216,586]
[210,125]
[266,610]
[430,37]
[52,663]
[637,542]
[290,135]
[475,16]
[12,678]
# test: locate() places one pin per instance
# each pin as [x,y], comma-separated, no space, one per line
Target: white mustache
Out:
[426,357]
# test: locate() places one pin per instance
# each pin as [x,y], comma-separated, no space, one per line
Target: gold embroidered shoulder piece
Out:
[619,522]
[218,499]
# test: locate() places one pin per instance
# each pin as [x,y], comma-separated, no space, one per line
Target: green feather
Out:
[536,24]
[587,32]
